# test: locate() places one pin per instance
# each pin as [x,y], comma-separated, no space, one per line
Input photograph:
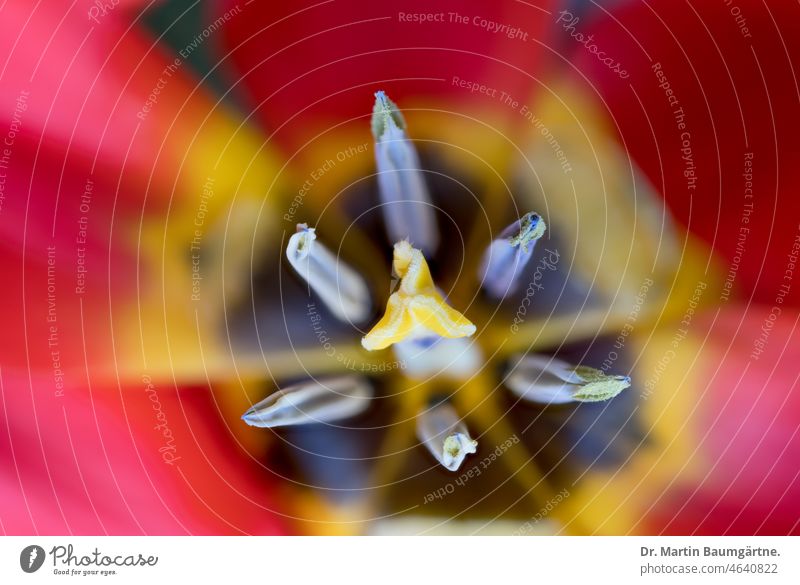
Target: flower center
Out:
[416,310]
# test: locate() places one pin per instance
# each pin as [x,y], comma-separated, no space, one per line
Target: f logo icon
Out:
[31,558]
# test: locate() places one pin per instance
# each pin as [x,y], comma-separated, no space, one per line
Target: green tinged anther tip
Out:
[384,112]
[531,228]
[599,386]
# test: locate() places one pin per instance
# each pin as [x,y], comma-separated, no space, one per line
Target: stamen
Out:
[506,257]
[407,208]
[548,380]
[445,436]
[312,401]
[340,287]
[416,309]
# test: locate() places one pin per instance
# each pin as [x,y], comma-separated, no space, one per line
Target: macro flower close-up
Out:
[404,268]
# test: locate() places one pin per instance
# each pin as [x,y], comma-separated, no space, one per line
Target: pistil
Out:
[417,309]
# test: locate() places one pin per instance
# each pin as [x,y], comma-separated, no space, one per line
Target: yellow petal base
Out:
[416,309]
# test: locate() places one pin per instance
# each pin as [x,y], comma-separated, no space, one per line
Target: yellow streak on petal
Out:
[417,307]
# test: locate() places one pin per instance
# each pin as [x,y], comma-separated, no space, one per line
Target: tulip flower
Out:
[297,268]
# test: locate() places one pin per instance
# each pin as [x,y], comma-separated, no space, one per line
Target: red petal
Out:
[746,424]
[287,56]
[739,93]
[70,92]
[73,109]
[139,461]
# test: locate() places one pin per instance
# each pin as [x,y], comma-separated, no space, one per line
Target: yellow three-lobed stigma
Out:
[416,309]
